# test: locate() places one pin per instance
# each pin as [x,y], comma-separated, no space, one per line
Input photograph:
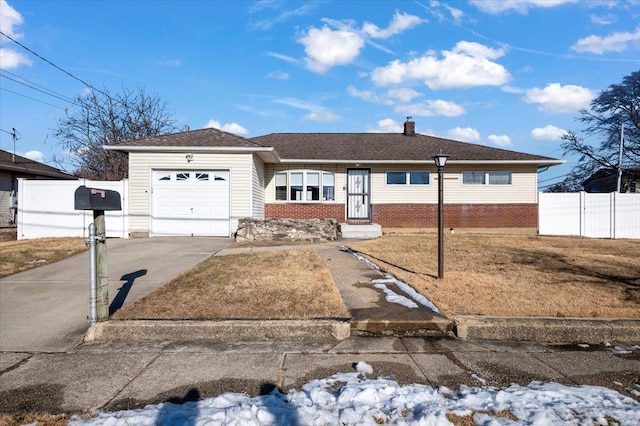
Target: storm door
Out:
[358,194]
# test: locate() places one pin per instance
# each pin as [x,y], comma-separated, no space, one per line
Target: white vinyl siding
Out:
[257,176]
[142,164]
[523,188]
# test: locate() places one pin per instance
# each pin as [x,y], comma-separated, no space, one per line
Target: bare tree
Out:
[101,118]
[617,106]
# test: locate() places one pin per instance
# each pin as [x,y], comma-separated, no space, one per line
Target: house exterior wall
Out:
[513,205]
[142,164]
[257,182]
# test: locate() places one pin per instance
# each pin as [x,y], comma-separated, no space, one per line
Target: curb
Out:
[547,329]
[220,331]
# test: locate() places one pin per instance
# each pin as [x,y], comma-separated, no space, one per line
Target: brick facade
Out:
[420,215]
[456,215]
[305,211]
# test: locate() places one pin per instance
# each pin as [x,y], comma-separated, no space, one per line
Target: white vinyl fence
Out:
[46,209]
[612,215]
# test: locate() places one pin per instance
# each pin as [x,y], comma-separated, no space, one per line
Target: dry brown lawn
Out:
[272,285]
[520,275]
[17,256]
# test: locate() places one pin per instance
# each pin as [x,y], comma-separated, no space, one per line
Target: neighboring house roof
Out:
[333,147]
[606,179]
[17,163]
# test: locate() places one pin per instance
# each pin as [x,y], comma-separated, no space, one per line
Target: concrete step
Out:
[366,232]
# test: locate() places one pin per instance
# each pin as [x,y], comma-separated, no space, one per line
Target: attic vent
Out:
[409,127]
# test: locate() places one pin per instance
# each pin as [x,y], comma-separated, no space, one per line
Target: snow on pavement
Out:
[392,296]
[355,399]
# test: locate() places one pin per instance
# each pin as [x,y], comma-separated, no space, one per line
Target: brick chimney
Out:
[409,127]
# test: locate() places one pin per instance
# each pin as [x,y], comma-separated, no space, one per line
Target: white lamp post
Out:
[440,160]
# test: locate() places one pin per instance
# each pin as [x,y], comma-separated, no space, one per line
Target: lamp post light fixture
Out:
[440,160]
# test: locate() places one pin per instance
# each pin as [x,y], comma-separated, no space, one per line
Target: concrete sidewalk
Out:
[117,376]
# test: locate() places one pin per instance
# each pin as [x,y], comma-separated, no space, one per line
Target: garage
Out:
[190,203]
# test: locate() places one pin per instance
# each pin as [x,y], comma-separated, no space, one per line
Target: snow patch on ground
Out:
[350,399]
[404,287]
[394,297]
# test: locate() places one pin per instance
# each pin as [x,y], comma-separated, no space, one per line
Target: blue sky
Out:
[509,74]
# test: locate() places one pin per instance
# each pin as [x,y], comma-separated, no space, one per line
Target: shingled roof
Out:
[386,147]
[17,163]
[194,138]
[332,147]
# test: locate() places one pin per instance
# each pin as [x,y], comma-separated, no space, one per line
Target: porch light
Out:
[440,160]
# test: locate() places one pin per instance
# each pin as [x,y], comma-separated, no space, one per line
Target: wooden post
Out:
[102,283]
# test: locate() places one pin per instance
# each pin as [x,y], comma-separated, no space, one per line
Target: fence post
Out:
[583,207]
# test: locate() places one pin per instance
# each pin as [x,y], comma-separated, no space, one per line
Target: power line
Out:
[52,64]
[33,99]
[62,98]
[50,92]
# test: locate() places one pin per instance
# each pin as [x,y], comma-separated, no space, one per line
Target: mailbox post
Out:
[98,200]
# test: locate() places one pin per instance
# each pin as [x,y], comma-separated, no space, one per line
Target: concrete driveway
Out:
[45,309]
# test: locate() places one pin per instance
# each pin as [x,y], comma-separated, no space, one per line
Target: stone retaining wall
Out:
[287,229]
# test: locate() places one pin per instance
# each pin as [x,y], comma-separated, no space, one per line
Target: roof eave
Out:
[541,162]
[57,175]
[267,154]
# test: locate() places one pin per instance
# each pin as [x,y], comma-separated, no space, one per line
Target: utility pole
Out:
[13,136]
[620,157]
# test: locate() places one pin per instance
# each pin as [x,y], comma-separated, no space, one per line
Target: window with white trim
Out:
[305,185]
[486,178]
[408,178]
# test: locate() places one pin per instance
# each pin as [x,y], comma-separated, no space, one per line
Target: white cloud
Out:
[466,134]
[547,133]
[316,112]
[400,22]
[10,59]
[603,19]
[326,116]
[511,89]
[367,95]
[520,6]
[10,19]
[234,128]
[386,125]
[278,75]
[171,63]
[431,108]
[616,42]
[468,64]
[500,140]
[35,156]
[268,23]
[282,57]
[456,14]
[327,48]
[560,99]
[403,94]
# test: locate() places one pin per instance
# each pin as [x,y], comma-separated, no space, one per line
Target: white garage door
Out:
[190,202]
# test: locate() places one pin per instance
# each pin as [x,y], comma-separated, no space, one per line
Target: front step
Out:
[363,232]
[435,327]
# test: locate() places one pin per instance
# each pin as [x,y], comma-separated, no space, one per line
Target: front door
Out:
[358,196]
